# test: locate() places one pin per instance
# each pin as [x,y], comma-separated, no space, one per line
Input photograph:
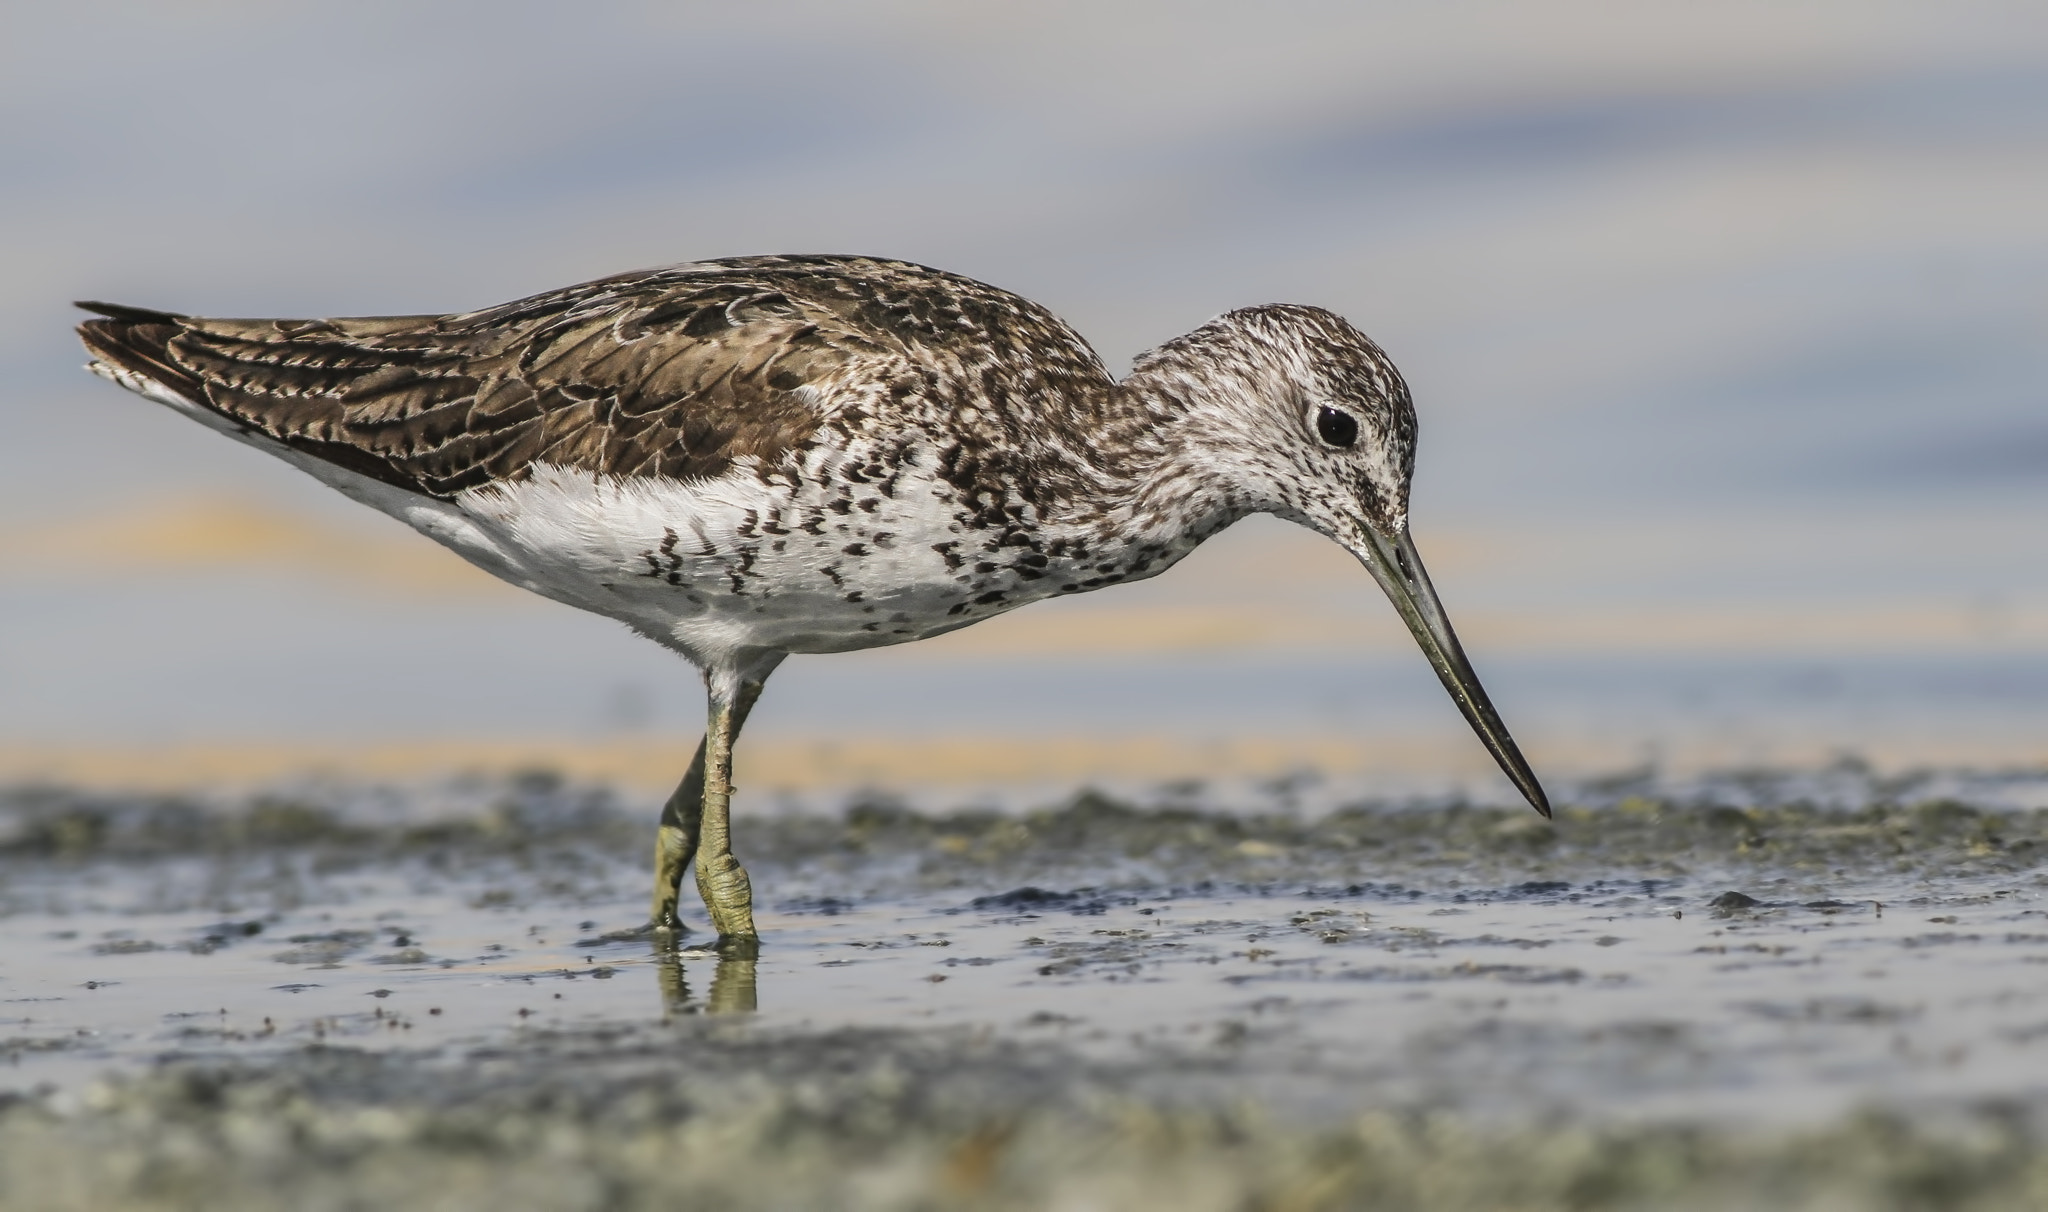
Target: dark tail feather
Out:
[138,341]
[131,315]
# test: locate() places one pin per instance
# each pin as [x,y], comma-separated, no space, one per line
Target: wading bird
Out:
[747,458]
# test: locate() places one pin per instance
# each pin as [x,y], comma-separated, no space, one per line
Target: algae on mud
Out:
[1814,989]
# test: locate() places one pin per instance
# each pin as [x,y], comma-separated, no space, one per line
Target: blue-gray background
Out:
[1726,323]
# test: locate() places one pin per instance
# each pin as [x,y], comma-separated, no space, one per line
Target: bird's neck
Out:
[1148,460]
[1152,472]
[1184,485]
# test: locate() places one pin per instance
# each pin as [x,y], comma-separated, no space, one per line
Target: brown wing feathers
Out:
[653,374]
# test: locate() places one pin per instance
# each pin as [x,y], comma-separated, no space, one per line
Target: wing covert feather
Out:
[651,374]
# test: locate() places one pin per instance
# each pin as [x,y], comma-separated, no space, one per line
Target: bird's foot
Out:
[738,947]
[665,936]
[728,896]
[654,932]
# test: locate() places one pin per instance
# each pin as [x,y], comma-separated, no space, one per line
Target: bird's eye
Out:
[1335,426]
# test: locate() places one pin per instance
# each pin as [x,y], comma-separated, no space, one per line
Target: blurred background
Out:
[1728,326]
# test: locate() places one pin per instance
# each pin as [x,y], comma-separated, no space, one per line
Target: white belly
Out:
[794,564]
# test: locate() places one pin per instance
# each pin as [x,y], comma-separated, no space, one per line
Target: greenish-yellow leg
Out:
[721,881]
[676,844]
[687,829]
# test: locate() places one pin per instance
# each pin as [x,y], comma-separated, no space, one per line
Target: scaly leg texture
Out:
[676,844]
[683,816]
[721,881]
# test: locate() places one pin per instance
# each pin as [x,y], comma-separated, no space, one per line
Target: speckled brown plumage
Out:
[671,372]
[759,456]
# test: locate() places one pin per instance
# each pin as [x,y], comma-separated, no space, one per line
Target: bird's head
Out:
[1292,411]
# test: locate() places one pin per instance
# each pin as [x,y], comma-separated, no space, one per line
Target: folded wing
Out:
[663,373]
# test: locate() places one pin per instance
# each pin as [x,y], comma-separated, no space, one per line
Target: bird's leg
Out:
[675,844]
[721,881]
[682,819]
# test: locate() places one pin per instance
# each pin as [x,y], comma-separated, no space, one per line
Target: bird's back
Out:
[670,373]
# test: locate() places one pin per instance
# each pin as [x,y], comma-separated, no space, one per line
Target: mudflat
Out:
[1817,988]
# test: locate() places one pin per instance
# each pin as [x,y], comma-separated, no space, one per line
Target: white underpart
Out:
[713,591]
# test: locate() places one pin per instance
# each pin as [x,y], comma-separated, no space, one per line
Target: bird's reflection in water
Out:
[732,985]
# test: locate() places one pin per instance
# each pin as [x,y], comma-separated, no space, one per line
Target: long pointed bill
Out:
[1396,566]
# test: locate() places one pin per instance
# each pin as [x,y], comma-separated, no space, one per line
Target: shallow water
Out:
[1758,957]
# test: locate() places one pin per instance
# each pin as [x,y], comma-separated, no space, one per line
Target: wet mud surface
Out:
[1809,990]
